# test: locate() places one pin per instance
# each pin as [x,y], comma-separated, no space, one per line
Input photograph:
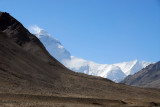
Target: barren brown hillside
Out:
[29,76]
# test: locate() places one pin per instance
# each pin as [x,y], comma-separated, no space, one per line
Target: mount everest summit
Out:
[115,72]
[53,46]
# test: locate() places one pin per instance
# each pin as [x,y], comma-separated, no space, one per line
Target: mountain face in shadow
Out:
[147,77]
[27,69]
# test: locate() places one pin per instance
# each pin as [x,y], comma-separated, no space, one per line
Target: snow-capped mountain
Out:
[130,68]
[114,72]
[53,46]
[111,72]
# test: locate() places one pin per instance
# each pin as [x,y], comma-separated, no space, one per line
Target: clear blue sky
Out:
[104,31]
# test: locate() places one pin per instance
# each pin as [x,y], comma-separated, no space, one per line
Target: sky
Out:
[103,31]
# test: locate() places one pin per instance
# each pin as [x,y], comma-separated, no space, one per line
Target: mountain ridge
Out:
[30,76]
[115,72]
[147,77]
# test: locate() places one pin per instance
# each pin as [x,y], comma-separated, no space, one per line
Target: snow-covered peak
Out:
[111,72]
[35,29]
[38,31]
[132,67]
[42,33]
[54,47]
[114,72]
[145,63]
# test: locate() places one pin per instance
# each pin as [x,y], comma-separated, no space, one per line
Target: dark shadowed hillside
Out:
[147,77]
[30,76]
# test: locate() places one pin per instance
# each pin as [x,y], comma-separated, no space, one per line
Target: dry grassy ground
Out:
[30,76]
[13,100]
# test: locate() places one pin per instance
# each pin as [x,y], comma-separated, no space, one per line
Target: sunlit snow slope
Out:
[53,46]
[114,72]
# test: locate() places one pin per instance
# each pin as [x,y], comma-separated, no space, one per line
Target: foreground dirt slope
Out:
[57,101]
[26,68]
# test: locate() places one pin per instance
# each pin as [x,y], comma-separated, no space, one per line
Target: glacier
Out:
[115,72]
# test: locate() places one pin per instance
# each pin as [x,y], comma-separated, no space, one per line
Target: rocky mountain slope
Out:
[30,76]
[147,77]
[115,72]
